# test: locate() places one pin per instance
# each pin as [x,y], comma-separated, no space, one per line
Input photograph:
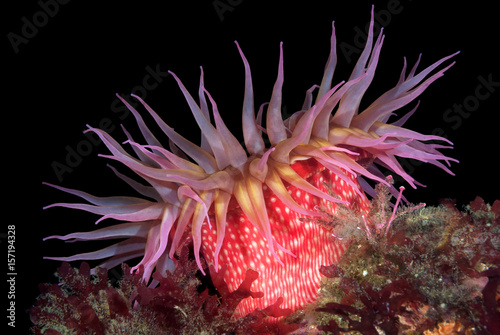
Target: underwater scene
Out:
[238,167]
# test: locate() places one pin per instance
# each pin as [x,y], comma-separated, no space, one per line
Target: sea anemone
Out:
[242,205]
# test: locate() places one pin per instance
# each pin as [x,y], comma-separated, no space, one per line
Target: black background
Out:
[66,76]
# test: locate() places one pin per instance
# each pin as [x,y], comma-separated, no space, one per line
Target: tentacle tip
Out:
[338,237]
[87,130]
[136,96]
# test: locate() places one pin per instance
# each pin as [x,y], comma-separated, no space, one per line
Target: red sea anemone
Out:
[241,205]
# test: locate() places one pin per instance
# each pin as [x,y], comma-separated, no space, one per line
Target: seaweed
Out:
[377,310]
[178,304]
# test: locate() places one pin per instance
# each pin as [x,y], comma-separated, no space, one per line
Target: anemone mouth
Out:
[189,182]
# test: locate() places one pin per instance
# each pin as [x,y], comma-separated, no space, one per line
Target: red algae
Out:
[180,304]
